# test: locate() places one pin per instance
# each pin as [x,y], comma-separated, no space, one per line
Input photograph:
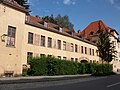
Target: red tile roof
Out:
[14,4]
[93,27]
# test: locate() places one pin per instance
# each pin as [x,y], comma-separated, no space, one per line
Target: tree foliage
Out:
[64,21]
[49,66]
[23,3]
[105,48]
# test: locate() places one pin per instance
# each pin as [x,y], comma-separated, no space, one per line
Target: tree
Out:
[23,3]
[105,48]
[50,19]
[64,21]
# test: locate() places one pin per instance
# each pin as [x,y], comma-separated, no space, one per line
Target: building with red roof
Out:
[24,36]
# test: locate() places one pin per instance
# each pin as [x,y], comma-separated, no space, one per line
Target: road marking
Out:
[113,84]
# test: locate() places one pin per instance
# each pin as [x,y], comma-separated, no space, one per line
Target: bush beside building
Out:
[50,66]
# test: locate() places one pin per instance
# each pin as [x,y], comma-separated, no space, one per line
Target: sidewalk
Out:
[31,79]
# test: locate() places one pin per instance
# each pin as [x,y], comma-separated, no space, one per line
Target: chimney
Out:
[37,16]
[79,31]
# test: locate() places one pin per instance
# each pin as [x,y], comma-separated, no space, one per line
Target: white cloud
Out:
[115,3]
[73,3]
[69,2]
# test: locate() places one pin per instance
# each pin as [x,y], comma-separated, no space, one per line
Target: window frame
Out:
[42,43]
[49,42]
[30,39]
[64,45]
[93,52]
[11,36]
[29,56]
[76,48]
[85,50]
[71,47]
[59,44]
[82,50]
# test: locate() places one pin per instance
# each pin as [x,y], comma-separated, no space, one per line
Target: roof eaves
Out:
[62,33]
[17,7]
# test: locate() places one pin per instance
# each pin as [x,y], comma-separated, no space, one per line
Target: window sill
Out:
[49,47]
[42,46]
[10,46]
[30,43]
[59,49]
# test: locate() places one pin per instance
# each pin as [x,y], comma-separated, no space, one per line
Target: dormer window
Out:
[60,29]
[45,24]
[72,34]
[91,33]
[26,18]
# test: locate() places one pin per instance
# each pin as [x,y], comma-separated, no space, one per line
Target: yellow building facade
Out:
[12,18]
[24,36]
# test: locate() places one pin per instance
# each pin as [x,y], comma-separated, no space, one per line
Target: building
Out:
[91,33]
[24,36]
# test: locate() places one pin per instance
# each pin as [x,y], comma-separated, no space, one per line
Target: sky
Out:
[80,12]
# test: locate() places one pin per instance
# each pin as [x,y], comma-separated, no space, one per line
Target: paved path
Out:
[14,80]
[88,83]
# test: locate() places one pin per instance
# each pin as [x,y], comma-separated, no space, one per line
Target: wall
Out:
[54,51]
[10,57]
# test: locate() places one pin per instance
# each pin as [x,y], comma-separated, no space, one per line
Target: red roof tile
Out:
[93,28]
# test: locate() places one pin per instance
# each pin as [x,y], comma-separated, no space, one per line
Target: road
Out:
[89,83]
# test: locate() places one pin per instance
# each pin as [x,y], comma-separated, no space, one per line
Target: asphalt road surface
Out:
[89,83]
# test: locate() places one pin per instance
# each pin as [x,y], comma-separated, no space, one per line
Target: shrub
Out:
[38,66]
[102,70]
[52,66]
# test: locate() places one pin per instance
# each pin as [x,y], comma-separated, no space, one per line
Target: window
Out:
[64,58]
[42,40]
[60,29]
[59,57]
[59,44]
[45,24]
[85,50]
[30,38]
[42,55]
[72,59]
[76,59]
[64,45]
[11,36]
[49,42]
[76,48]
[49,55]
[90,61]
[90,51]
[29,55]
[81,49]
[91,33]
[93,51]
[71,48]
[97,52]
[26,18]
[94,61]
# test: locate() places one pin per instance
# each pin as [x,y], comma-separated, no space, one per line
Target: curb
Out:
[17,80]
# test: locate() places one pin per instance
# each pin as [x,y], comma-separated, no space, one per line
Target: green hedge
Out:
[49,66]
